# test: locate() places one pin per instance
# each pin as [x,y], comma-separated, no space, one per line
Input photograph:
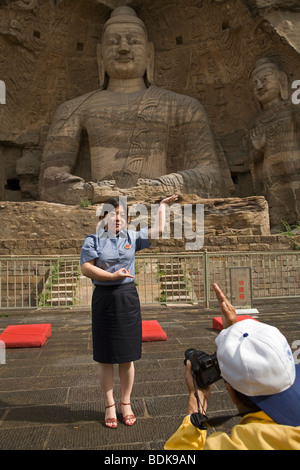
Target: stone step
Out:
[61,291]
[167,267]
[66,276]
[61,300]
[56,285]
[67,285]
[170,284]
[173,278]
[174,287]
[69,269]
[180,298]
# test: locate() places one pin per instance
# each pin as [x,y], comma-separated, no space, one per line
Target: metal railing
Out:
[184,278]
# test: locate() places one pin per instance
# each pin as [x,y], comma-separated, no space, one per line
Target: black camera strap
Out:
[198,419]
[201,421]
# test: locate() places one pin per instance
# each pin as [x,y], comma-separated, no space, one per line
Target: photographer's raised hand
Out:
[227,309]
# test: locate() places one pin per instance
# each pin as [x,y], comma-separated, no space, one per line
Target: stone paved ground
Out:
[50,397]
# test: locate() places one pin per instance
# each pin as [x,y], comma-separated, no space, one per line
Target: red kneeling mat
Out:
[218,323]
[26,336]
[152,331]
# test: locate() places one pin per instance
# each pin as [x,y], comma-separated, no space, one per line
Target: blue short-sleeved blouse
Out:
[112,253]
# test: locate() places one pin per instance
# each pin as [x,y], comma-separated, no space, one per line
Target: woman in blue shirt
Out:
[108,259]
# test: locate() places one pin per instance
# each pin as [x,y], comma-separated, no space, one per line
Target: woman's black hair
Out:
[110,205]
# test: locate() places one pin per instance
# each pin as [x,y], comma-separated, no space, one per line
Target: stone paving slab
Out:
[50,398]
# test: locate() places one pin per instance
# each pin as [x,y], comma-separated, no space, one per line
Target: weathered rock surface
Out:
[57,221]
[48,228]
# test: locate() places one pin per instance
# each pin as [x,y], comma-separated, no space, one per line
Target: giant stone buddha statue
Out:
[138,134]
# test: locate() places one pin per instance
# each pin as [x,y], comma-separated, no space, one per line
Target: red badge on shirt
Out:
[127,247]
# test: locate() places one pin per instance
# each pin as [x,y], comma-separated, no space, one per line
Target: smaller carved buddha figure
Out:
[276,144]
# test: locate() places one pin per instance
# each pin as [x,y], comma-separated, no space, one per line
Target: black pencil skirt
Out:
[116,324]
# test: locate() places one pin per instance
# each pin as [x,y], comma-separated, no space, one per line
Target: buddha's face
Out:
[266,84]
[124,51]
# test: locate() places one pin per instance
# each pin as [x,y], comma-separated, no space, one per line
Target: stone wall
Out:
[42,228]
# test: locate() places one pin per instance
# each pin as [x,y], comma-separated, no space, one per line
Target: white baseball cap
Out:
[256,360]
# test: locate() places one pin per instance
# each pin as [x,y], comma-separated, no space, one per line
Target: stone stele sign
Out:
[241,287]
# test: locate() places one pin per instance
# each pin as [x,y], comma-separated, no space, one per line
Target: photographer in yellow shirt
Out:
[263,381]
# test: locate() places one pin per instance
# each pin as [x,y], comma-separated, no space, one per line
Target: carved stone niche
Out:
[9,181]
[27,169]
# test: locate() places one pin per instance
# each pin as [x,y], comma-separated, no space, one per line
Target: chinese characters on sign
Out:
[296,94]
[241,287]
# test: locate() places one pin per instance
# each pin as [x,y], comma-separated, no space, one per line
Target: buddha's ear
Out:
[103,78]
[284,86]
[150,64]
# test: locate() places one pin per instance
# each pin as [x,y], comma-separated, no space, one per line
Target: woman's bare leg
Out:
[126,374]
[106,379]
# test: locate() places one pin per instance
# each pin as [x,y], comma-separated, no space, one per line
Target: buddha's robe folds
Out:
[152,134]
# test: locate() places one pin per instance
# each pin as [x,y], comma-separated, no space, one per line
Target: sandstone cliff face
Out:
[47,229]
[284,16]
[44,220]
[205,50]
[44,228]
